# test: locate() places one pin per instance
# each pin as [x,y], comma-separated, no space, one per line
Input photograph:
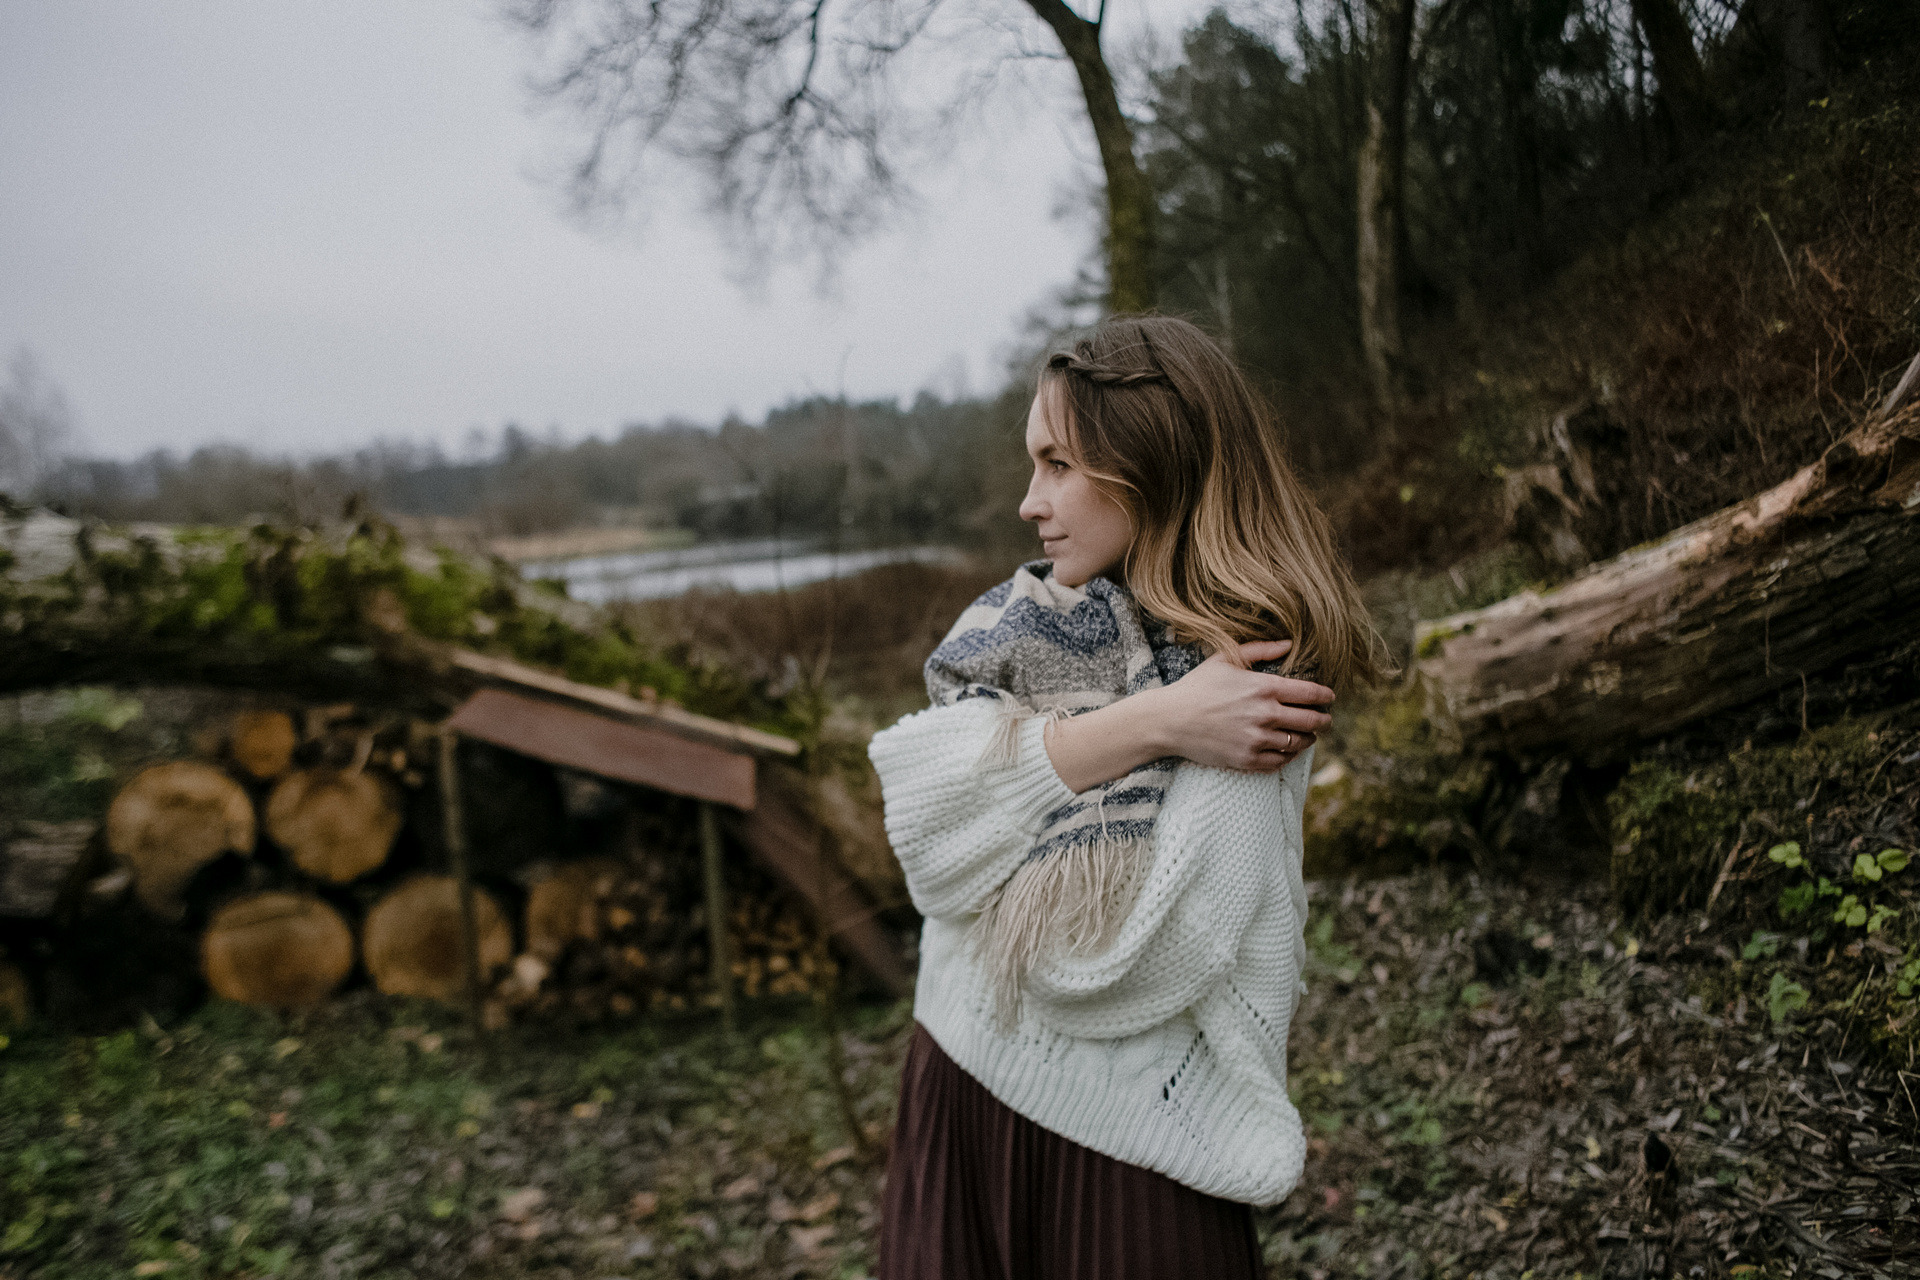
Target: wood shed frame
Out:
[653,744]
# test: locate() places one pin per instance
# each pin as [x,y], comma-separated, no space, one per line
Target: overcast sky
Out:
[303,226]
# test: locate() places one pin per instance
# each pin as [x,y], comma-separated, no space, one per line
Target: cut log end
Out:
[412,941]
[262,742]
[277,950]
[171,820]
[335,824]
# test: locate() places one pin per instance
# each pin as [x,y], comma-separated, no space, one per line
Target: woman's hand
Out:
[1219,714]
[1228,716]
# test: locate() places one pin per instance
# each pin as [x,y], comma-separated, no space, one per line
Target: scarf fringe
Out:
[1003,745]
[1076,898]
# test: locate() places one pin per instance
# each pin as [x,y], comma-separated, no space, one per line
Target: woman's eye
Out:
[1056,465]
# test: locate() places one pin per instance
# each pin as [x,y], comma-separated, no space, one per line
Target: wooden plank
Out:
[597,744]
[719,944]
[453,817]
[650,712]
[789,844]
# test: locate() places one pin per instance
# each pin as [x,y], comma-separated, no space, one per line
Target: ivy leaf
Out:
[1892,859]
[1851,911]
[1787,855]
[1866,867]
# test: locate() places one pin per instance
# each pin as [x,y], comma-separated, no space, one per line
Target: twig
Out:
[1720,881]
[1905,385]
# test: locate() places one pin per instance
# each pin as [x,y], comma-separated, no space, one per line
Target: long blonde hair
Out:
[1228,545]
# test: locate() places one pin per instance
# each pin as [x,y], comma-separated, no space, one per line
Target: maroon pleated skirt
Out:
[976,1191]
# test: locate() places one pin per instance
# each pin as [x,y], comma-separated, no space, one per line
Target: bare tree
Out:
[802,115]
[35,425]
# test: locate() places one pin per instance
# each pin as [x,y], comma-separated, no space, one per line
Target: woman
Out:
[1090,820]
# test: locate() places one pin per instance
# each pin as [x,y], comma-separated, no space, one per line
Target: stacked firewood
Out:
[306,849]
[606,937]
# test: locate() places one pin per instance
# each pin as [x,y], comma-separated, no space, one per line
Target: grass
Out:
[379,1138]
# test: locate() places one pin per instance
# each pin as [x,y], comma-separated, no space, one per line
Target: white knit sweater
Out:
[1168,1050]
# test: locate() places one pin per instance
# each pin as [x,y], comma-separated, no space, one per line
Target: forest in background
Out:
[1701,253]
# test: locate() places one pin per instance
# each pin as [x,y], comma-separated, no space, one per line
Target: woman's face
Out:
[1083,531]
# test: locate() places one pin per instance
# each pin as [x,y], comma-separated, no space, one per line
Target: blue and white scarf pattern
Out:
[1041,648]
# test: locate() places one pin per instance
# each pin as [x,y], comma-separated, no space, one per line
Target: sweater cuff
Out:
[1029,789]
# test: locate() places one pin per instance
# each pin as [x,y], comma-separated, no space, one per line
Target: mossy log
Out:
[1814,571]
[411,941]
[276,950]
[336,824]
[171,820]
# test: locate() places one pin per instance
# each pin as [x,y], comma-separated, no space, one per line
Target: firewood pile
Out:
[305,851]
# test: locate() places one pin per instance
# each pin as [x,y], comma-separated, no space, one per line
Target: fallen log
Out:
[276,950]
[1816,570]
[171,820]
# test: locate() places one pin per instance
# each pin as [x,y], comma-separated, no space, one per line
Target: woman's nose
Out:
[1031,507]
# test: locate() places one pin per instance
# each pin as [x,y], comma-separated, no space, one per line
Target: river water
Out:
[764,565]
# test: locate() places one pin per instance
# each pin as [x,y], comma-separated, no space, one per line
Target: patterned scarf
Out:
[1040,648]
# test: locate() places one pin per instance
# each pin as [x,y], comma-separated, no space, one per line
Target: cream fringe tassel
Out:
[1076,898]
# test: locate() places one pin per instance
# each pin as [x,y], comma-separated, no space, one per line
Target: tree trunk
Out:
[1792,40]
[279,950]
[173,819]
[1382,166]
[1810,573]
[1130,206]
[1683,87]
[412,940]
[336,824]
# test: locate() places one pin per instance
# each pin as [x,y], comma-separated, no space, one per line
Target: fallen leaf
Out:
[741,1188]
[276,1119]
[810,1239]
[518,1206]
[814,1210]
[1498,1219]
[833,1157]
[283,1048]
[430,1043]
[586,1111]
[643,1205]
[153,1267]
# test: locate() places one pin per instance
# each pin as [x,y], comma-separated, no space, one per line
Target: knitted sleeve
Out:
[1220,857]
[961,811]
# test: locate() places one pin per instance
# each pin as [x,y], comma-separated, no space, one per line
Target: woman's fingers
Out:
[1298,719]
[1301,692]
[1265,651]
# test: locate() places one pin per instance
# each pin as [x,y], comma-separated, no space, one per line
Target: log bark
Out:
[411,939]
[1814,571]
[336,824]
[171,820]
[277,950]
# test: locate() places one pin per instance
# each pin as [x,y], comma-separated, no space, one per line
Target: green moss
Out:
[269,590]
[1672,828]
[1404,795]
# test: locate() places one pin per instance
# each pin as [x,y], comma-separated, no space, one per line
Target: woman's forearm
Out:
[1099,746]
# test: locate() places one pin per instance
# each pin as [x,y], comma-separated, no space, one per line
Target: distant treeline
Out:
[864,474]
